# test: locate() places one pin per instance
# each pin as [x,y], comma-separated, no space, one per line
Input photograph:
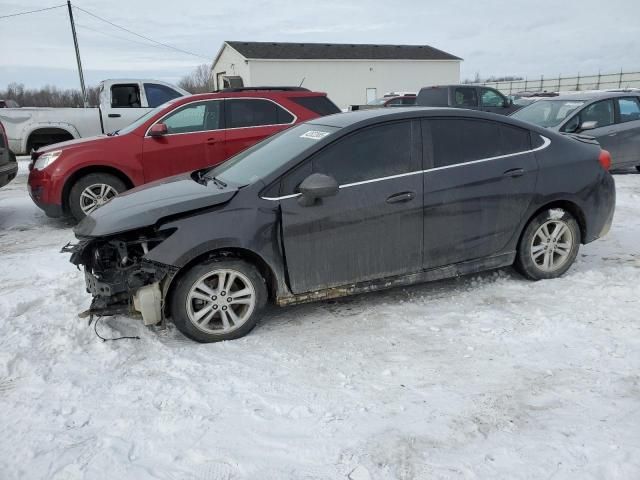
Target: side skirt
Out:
[439,273]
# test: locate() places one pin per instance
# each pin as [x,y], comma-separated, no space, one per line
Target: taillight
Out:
[605,159]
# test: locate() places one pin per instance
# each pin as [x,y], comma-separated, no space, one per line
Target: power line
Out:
[141,36]
[32,11]
[86,27]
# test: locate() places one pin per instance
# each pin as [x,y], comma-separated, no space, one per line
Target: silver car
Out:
[613,118]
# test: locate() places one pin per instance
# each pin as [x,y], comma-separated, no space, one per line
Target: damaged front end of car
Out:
[120,278]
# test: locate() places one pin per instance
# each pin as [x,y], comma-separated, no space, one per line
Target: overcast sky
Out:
[494,37]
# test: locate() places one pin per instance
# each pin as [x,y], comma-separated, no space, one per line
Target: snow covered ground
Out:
[482,377]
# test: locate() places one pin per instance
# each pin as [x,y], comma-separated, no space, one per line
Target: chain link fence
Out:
[601,81]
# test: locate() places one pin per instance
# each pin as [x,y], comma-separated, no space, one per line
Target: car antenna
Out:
[302,81]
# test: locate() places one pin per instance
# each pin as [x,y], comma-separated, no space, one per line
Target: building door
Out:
[371,94]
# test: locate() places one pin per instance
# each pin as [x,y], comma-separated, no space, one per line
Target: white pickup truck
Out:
[121,102]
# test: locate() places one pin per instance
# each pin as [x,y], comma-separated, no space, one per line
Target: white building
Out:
[350,74]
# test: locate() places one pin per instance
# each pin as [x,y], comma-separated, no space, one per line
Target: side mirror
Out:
[315,186]
[590,125]
[158,130]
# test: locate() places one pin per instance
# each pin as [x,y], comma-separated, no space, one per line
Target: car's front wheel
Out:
[549,245]
[218,300]
[92,191]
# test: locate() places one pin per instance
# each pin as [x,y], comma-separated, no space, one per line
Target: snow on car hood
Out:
[145,206]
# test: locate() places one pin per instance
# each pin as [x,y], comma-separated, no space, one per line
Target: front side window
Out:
[599,112]
[125,96]
[158,94]
[458,141]
[465,97]
[491,98]
[629,109]
[374,152]
[255,112]
[195,117]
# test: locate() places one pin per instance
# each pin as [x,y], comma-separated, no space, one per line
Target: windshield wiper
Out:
[219,183]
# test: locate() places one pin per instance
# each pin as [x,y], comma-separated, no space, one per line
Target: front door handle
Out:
[211,141]
[514,172]
[613,134]
[114,115]
[401,197]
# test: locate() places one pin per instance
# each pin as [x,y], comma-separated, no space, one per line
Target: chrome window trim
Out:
[295,117]
[545,143]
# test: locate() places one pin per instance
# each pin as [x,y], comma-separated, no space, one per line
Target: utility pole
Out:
[75,43]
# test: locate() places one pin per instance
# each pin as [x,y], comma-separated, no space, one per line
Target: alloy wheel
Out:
[551,245]
[220,301]
[95,196]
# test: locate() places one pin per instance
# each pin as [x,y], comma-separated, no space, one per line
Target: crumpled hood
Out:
[145,205]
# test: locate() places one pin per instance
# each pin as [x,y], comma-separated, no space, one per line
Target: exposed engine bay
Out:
[119,277]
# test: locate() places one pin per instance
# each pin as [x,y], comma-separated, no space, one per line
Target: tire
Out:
[638,168]
[201,310]
[536,259]
[103,186]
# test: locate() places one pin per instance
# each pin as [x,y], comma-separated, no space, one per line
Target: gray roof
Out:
[592,95]
[338,51]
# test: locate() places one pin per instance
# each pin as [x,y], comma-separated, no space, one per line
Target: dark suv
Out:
[472,97]
[345,204]
[8,164]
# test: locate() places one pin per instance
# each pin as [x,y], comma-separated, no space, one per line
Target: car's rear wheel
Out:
[638,167]
[218,300]
[549,245]
[92,191]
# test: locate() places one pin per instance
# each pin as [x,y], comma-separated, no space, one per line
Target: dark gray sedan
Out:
[345,204]
[612,118]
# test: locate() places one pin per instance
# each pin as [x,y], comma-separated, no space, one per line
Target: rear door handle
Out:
[114,115]
[211,141]
[401,197]
[613,134]
[514,172]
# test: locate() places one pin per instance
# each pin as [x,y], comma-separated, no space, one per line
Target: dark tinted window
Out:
[125,96]
[629,109]
[252,113]
[2,144]
[320,105]
[464,140]
[465,97]
[491,98]
[409,101]
[374,152]
[159,94]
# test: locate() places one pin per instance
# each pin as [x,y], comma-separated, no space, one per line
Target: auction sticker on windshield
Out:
[314,134]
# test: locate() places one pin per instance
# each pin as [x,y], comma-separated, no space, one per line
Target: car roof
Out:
[593,95]
[269,94]
[361,118]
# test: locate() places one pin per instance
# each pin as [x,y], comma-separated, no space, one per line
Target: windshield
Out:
[131,127]
[548,113]
[267,156]
[379,101]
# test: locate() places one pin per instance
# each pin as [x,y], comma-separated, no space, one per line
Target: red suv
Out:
[184,134]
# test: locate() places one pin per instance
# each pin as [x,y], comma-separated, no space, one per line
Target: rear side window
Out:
[629,109]
[320,105]
[2,144]
[599,112]
[464,140]
[159,94]
[465,97]
[253,113]
[374,152]
[125,96]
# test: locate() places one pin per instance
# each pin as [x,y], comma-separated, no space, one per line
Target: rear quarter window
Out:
[320,104]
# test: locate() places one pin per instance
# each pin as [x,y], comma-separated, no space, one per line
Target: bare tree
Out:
[198,81]
[48,96]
